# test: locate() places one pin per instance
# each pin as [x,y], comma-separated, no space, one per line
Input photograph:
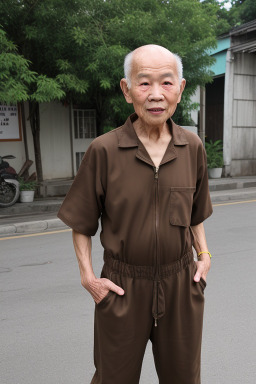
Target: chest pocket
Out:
[181,202]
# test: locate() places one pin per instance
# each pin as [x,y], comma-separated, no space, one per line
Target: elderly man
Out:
[147,181]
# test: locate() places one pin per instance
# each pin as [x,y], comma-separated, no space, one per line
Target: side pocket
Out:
[181,202]
[108,275]
[105,299]
[203,284]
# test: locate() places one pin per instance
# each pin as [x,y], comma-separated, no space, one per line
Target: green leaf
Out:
[47,89]
[105,84]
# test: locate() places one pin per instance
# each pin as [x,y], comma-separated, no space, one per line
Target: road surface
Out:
[47,317]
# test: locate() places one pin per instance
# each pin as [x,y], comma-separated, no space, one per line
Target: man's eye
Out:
[144,83]
[167,83]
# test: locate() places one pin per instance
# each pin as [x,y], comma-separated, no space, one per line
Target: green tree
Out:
[15,76]
[223,15]
[75,49]
[240,12]
[42,33]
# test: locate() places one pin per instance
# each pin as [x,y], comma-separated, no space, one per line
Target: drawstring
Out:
[158,304]
[155,301]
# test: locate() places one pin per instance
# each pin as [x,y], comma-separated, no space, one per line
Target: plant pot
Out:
[214,173]
[27,196]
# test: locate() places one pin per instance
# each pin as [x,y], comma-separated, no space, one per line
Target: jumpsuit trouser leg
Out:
[122,329]
[176,341]
[124,324]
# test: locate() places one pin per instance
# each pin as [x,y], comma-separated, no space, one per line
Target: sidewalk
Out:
[41,215]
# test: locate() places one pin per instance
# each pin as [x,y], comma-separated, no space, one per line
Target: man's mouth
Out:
[155,109]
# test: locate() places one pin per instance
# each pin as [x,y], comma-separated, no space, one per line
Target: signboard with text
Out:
[10,129]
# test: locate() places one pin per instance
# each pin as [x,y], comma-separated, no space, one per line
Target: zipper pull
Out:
[156,172]
[155,322]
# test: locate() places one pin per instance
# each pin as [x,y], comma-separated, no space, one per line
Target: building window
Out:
[84,123]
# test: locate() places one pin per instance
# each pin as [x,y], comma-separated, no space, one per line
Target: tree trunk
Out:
[34,118]
[24,129]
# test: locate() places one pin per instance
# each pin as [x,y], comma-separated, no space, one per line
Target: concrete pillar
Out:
[228,113]
[71,137]
[201,130]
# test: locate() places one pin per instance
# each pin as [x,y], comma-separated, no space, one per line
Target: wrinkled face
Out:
[155,89]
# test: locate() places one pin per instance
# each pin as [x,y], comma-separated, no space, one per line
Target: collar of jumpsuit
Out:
[128,138]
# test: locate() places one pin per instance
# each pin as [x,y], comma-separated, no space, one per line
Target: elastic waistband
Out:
[147,272]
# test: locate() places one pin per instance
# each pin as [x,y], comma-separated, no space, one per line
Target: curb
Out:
[224,186]
[37,206]
[31,226]
[233,195]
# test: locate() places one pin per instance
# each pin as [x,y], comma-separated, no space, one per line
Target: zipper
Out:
[156,170]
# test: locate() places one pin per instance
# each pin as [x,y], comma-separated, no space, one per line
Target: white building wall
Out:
[228,113]
[244,116]
[55,143]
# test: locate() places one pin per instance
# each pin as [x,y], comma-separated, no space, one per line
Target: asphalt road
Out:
[46,333]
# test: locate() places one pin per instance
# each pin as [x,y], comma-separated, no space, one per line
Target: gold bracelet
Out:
[200,253]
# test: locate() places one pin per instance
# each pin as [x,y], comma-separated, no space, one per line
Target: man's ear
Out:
[182,86]
[126,91]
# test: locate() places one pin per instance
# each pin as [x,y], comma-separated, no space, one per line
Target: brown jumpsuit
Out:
[146,214]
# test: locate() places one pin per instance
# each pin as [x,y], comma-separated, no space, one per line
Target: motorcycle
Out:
[9,185]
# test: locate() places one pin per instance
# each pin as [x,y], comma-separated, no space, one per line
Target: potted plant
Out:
[214,151]
[27,190]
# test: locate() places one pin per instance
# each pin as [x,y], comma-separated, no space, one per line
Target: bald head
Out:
[150,50]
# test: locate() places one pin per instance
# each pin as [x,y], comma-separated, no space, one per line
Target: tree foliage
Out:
[39,58]
[42,33]
[74,49]
[15,76]
[240,12]
[77,47]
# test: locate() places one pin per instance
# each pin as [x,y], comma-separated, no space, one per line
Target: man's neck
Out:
[152,133]
[154,139]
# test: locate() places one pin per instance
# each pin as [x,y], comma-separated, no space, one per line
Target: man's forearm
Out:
[200,245]
[83,249]
[98,288]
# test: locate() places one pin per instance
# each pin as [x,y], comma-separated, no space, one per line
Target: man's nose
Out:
[156,93]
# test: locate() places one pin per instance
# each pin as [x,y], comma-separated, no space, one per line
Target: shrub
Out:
[214,151]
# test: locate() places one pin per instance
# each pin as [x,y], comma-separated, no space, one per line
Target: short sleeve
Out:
[84,202]
[202,206]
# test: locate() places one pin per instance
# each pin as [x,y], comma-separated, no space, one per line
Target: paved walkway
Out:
[41,214]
